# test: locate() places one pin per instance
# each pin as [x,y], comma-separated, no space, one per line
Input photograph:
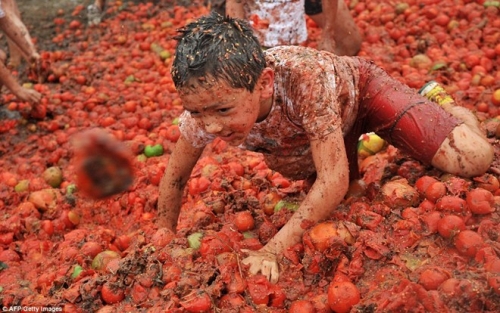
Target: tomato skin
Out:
[91,249]
[301,306]
[450,225]
[231,300]
[139,293]
[451,203]
[423,182]
[320,302]
[487,181]
[237,284]
[173,133]
[162,237]
[198,185]
[6,238]
[197,301]
[431,221]
[468,242]
[449,287]
[342,296]
[102,259]
[258,287]
[435,191]
[48,227]
[122,242]
[244,221]
[211,246]
[431,278]
[322,234]
[480,201]
[234,168]
[268,201]
[111,293]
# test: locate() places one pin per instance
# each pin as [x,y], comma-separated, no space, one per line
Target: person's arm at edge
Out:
[234,9]
[326,193]
[10,82]
[178,171]
[16,31]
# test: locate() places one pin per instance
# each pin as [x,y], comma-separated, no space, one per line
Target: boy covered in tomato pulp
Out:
[304,110]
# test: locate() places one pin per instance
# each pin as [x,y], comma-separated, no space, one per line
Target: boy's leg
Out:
[434,92]
[420,127]
[464,152]
[465,134]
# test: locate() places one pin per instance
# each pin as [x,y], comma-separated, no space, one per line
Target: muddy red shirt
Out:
[316,92]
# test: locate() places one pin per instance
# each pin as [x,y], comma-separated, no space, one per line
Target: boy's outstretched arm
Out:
[326,193]
[180,164]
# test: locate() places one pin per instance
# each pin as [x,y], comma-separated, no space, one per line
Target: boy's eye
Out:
[194,113]
[224,110]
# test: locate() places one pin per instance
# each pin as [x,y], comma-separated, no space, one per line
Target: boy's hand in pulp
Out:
[264,262]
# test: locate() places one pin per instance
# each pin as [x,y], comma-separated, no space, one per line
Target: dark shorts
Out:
[401,116]
[313,7]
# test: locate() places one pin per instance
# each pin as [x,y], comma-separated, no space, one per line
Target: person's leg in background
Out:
[340,34]
[18,38]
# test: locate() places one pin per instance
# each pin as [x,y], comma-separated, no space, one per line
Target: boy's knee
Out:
[464,152]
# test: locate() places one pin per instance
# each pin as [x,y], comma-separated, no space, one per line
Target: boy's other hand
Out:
[264,262]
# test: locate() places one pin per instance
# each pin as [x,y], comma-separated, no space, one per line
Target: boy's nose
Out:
[213,127]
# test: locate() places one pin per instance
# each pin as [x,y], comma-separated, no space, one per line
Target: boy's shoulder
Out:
[296,53]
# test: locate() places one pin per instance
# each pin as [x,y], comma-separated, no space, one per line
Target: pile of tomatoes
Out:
[409,238]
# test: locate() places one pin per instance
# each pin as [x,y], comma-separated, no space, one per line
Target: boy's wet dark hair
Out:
[220,48]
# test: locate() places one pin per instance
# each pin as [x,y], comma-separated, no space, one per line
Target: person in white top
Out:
[283,22]
[95,11]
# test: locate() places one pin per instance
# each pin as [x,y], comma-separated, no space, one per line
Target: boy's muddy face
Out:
[224,111]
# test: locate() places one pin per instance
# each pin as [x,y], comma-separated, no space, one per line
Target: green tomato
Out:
[194,240]
[292,206]
[130,79]
[22,186]
[53,176]
[491,4]
[151,151]
[142,158]
[165,54]
[102,259]
[70,189]
[77,270]
[248,235]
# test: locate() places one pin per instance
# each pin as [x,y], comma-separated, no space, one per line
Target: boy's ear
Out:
[266,83]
